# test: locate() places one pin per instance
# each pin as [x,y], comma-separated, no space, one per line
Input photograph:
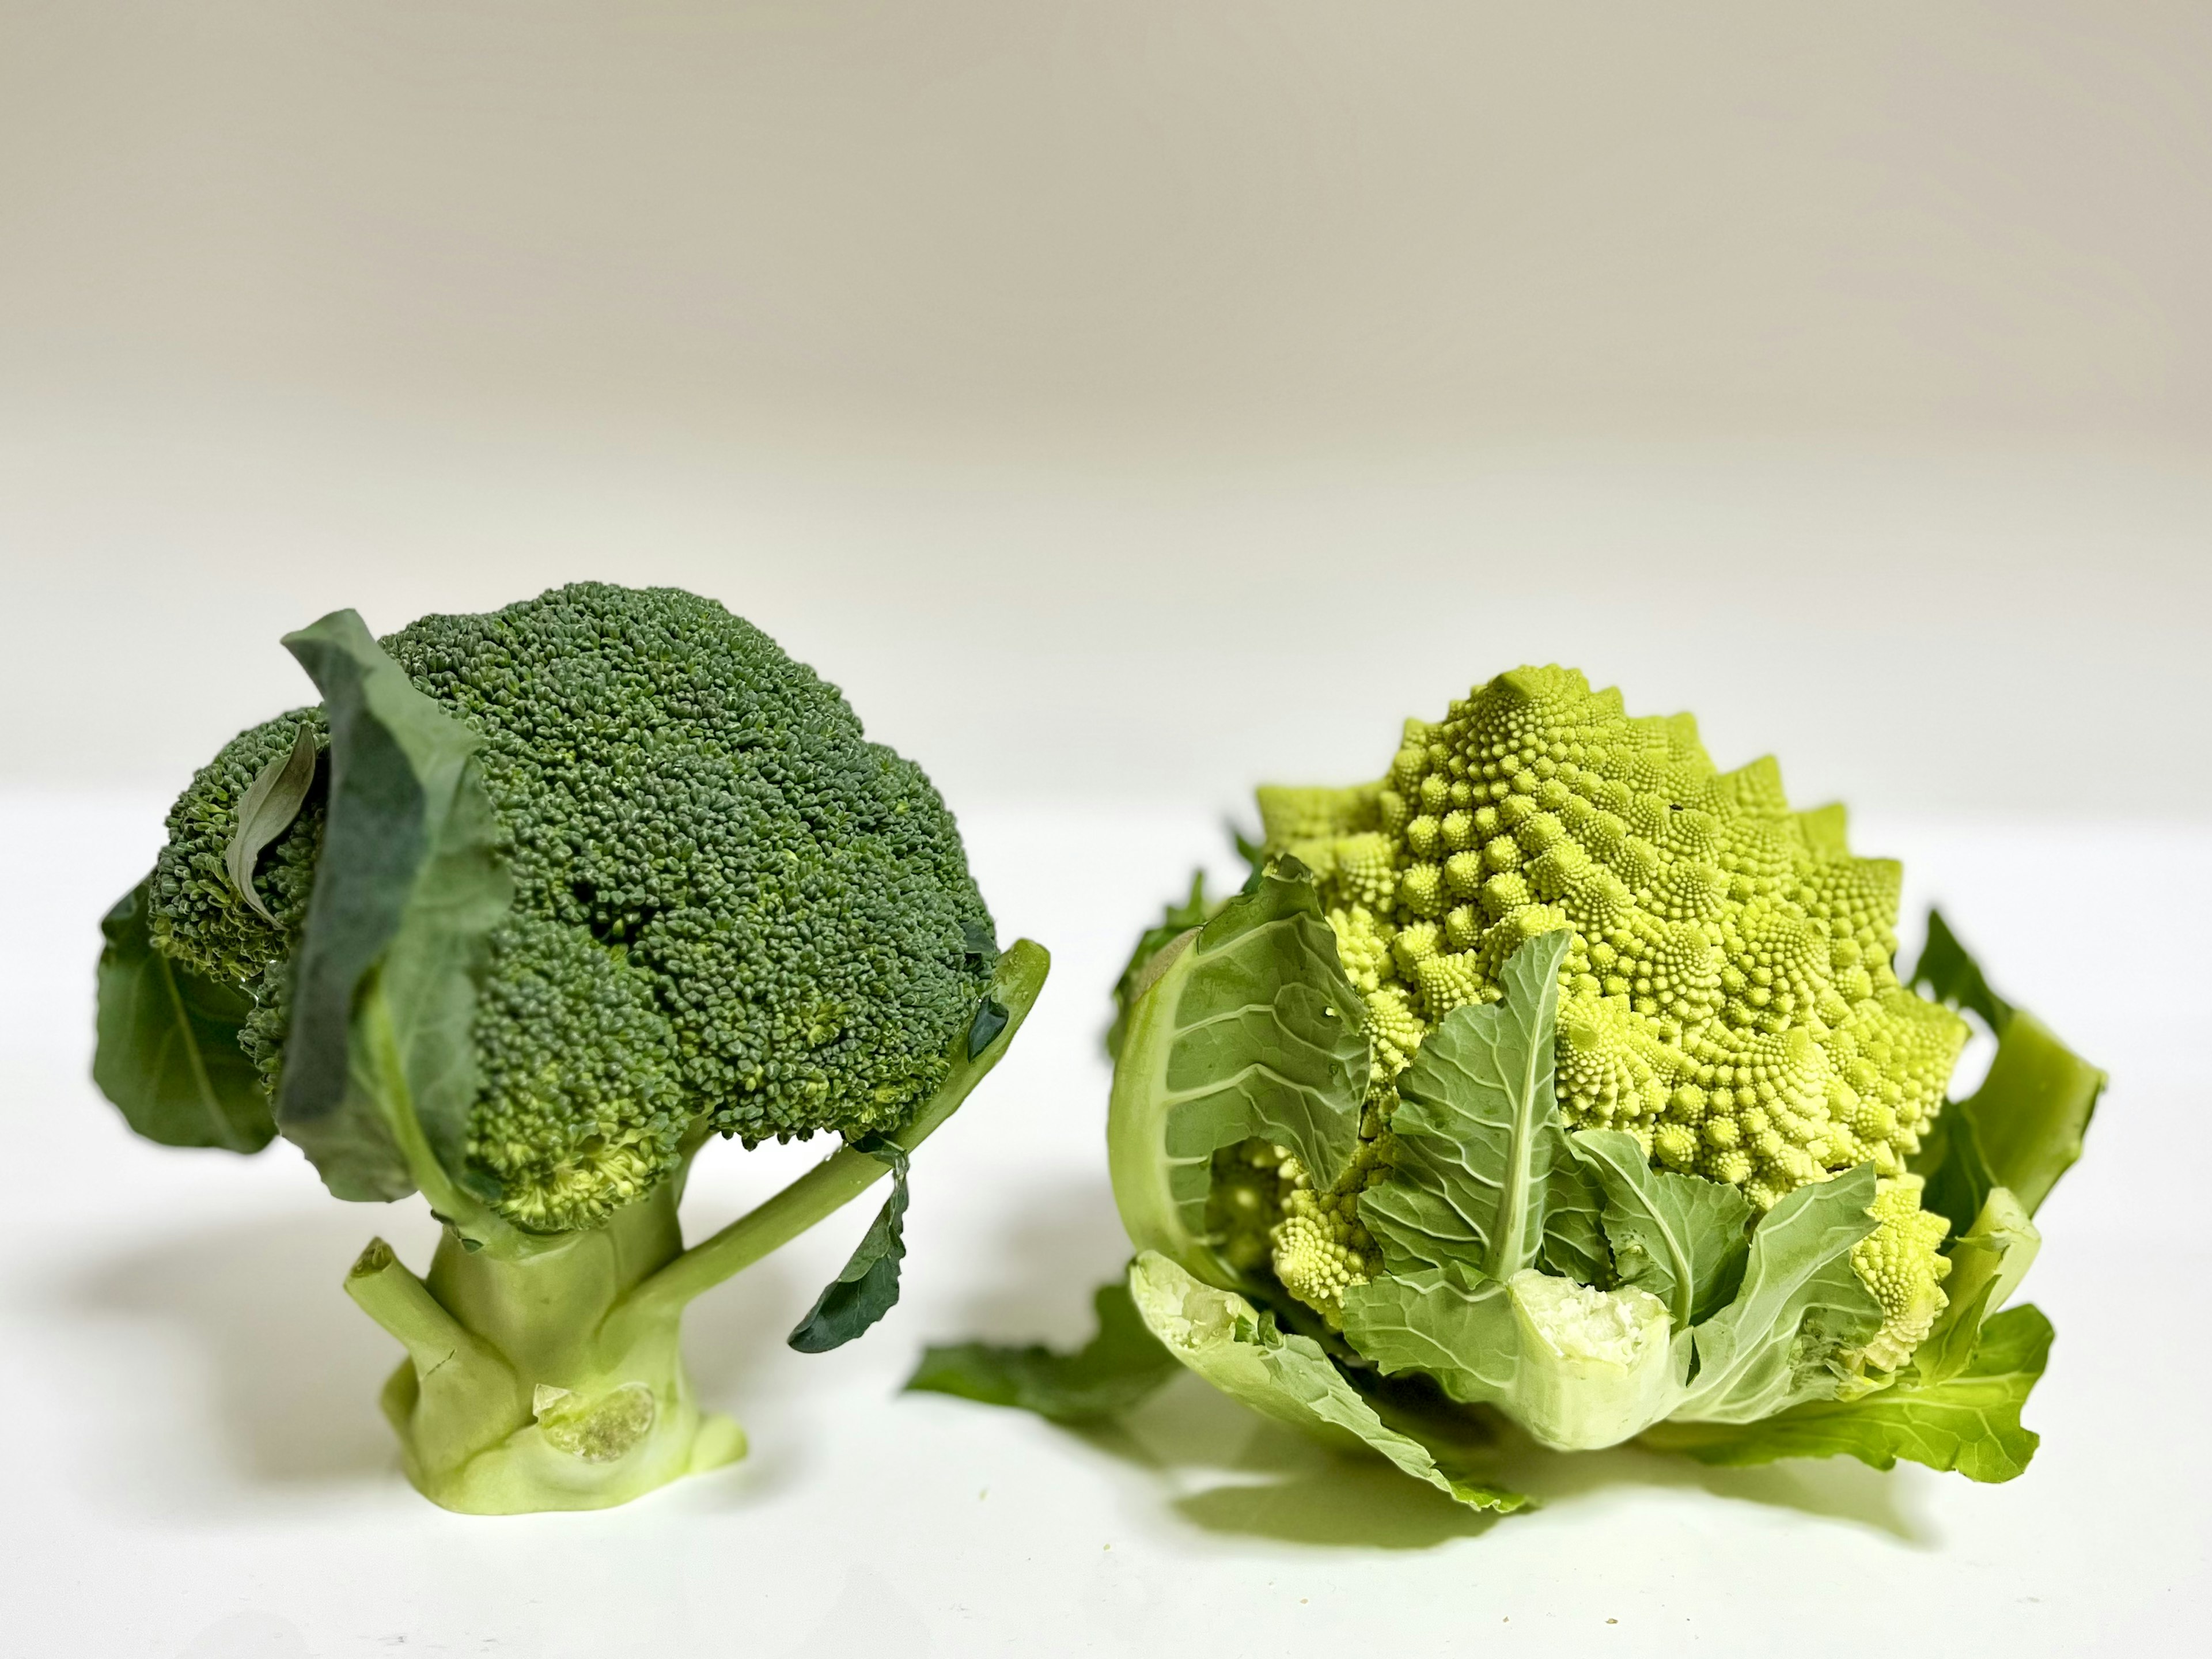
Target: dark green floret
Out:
[732,912]
[525,911]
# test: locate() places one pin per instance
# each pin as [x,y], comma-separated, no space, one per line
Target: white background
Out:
[1126,403]
[196,1467]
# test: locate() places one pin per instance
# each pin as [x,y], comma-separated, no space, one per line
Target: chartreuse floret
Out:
[1726,997]
[528,906]
[1557,1075]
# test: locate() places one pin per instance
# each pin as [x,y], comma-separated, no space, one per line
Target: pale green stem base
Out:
[548,1374]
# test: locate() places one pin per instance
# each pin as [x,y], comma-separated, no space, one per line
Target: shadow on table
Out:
[296,1367]
[1229,1470]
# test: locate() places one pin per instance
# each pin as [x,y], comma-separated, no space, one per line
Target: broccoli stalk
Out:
[546,1373]
[531,906]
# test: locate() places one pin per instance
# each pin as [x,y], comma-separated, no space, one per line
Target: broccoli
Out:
[530,906]
[1561,1077]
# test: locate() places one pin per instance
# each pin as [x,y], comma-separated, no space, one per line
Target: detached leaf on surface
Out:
[1122,1365]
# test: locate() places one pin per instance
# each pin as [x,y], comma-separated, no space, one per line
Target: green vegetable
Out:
[1564,1075]
[526,909]
[1118,1367]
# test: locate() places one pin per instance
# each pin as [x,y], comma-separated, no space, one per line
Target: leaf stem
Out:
[846,1174]
[389,1293]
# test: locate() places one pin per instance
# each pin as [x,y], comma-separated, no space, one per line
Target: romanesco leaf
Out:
[1681,1237]
[1970,1422]
[1483,1176]
[1218,1335]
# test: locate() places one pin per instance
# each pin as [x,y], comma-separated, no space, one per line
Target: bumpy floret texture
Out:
[1900,1262]
[1728,998]
[200,920]
[732,913]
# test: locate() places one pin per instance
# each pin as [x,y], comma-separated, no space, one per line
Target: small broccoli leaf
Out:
[1485,1179]
[991,1017]
[1970,1422]
[1120,1365]
[1218,1335]
[272,800]
[1249,1029]
[1948,973]
[167,1053]
[868,1287]
[379,1065]
[1799,1301]
[1132,981]
[1681,1237]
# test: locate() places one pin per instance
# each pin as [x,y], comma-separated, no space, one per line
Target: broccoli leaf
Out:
[983,1030]
[1485,1178]
[1970,1422]
[1120,1365]
[1250,1028]
[272,800]
[1218,1335]
[380,1066]
[1681,1237]
[167,1053]
[868,1287]
[1799,1301]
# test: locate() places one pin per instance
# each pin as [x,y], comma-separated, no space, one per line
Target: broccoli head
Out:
[536,901]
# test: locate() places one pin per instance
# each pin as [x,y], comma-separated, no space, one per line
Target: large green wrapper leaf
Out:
[1988,1263]
[1218,1335]
[1249,1029]
[380,1069]
[1488,1199]
[1174,921]
[1120,1365]
[1484,1181]
[1442,1323]
[1799,1301]
[1680,1238]
[2023,1128]
[1947,972]
[167,1053]
[1969,1423]
[2034,1109]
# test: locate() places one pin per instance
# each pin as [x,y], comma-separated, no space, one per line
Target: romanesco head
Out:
[732,911]
[1729,998]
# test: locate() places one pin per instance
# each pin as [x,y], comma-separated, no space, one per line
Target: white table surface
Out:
[195,1465]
